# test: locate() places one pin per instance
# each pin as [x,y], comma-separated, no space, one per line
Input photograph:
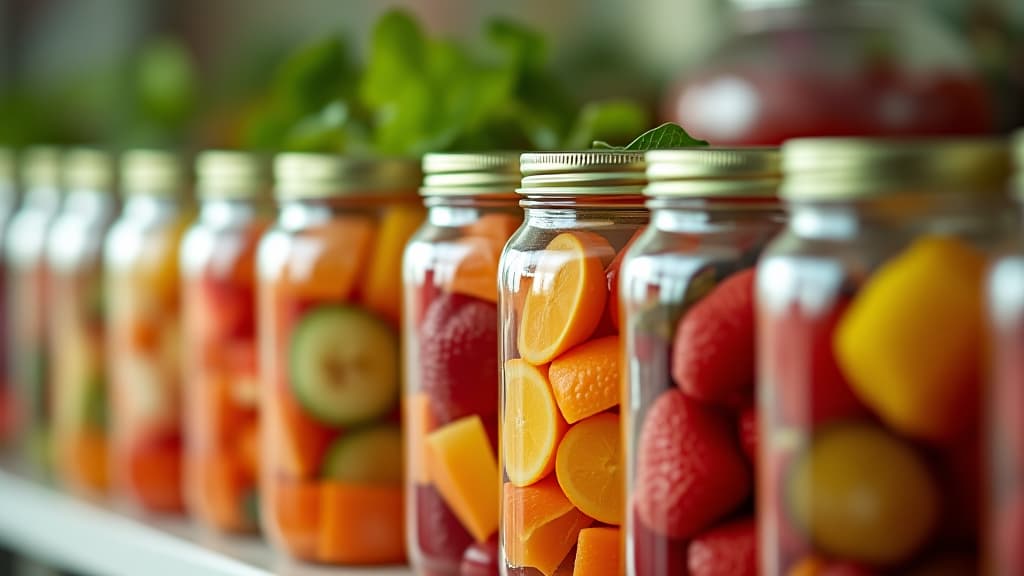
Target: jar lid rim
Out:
[470,173]
[232,175]
[718,172]
[309,175]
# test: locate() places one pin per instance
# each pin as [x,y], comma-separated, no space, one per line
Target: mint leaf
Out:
[668,135]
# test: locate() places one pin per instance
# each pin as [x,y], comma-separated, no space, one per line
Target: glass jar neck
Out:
[563,211]
[464,210]
[695,215]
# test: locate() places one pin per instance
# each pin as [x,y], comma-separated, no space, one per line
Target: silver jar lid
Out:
[583,173]
[308,176]
[714,172]
[232,175]
[470,174]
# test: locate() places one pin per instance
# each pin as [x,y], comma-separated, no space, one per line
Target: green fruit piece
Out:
[369,456]
[344,365]
[864,495]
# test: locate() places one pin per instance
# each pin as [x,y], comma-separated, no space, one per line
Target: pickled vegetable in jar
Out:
[687,324]
[450,338]
[27,308]
[8,203]
[870,355]
[329,308]
[560,439]
[143,326]
[77,323]
[1004,550]
[218,308]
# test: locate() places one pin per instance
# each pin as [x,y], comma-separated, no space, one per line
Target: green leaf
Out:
[668,135]
[608,120]
[525,49]
[396,59]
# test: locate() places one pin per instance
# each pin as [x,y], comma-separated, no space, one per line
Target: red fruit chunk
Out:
[801,370]
[439,534]
[713,353]
[690,469]
[1009,536]
[748,433]
[459,357]
[728,550]
[481,559]
[656,555]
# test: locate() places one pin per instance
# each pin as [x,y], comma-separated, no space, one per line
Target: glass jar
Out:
[329,319]
[1005,409]
[891,67]
[141,256]
[218,307]
[8,203]
[450,337]
[869,355]
[688,332]
[562,487]
[76,321]
[27,281]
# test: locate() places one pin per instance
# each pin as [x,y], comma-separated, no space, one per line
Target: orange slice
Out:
[476,270]
[585,380]
[567,296]
[532,426]
[589,467]
[597,552]
[361,524]
[540,525]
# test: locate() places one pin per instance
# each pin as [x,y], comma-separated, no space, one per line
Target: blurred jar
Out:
[330,299]
[869,357]
[8,203]
[562,476]
[77,323]
[450,341]
[797,68]
[27,309]
[141,258]
[1005,409]
[218,267]
[688,327]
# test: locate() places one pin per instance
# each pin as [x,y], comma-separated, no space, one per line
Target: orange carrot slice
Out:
[84,457]
[476,269]
[497,228]
[362,524]
[589,468]
[155,474]
[298,442]
[567,296]
[465,472]
[327,263]
[221,487]
[382,286]
[295,509]
[585,380]
[597,552]
[419,421]
[540,525]
[532,427]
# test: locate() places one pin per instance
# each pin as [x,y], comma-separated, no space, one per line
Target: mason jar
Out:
[141,256]
[450,338]
[560,440]
[8,204]
[870,355]
[687,322]
[77,327]
[27,308]
[329,315]
[218,308]
[1004,515]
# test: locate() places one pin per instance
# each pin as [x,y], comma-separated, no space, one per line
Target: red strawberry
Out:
[440,536]
[713,353]
[748,433]
[690,470]
[654,554]
[728,550]
[801,371]
[459,357]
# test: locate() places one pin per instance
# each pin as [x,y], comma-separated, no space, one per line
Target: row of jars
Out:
[601,386]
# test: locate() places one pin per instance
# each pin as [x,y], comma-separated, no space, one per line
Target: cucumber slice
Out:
[369,456]
[343,364]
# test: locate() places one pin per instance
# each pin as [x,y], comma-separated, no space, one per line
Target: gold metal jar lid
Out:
[470,174]
[714,172]
[839,169]
[308,176]
[89,169]
[152,173]
[584,173]
[41,167]
[232,175]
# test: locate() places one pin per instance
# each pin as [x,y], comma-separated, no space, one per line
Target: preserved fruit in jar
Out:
[687,300]
[77,328]
[560,439]
[329,297]
[8,203]
[869,357]
[450,335]
[218,269]
[141,256]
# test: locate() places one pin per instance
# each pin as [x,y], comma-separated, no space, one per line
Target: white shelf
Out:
[95,539]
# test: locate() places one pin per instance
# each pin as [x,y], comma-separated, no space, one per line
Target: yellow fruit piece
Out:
[585,380]
[864,495]
[532,426]
[589,467]
[419,422]
[540,525]
[382,287]
[465,472]
[910,342]
[597,552]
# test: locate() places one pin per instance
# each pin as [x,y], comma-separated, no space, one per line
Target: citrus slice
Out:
[585,380]
[532,426]
[589,470]
[567,297]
